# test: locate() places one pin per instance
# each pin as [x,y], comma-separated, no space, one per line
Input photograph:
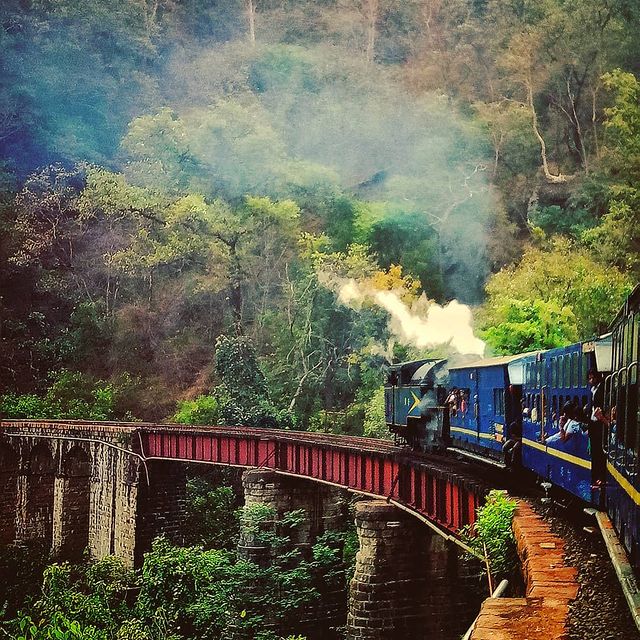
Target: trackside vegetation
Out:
[209,591]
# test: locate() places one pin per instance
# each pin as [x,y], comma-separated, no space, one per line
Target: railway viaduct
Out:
[112,487]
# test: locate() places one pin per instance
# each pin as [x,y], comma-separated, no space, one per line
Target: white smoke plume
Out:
[438,325]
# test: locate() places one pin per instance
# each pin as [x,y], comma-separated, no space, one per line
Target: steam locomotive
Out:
[477,406]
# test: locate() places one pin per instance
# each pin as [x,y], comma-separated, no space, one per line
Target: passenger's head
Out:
[567,409]
[594,376]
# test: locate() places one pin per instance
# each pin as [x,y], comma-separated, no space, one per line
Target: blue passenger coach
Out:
[482,405]
[623,441]
[550,379]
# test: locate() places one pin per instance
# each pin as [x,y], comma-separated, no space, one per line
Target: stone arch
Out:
[40,491]
[9,471]
[76,499]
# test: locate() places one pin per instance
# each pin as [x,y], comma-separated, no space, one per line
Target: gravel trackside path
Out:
[600,611]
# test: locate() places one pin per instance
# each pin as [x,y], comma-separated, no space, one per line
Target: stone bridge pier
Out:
[325,506]
[68,494]
[409,581]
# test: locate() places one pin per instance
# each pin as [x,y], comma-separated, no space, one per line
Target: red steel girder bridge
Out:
[439,490]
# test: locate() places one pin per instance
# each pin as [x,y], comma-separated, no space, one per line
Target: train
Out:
[513,411]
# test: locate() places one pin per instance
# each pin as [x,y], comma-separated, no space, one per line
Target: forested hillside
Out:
[241,210]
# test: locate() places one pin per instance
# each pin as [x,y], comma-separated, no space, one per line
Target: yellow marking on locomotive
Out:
[416,401]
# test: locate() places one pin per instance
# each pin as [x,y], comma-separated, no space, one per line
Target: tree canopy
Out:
[178,179]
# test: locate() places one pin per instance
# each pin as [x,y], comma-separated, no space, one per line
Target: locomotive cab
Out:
[414,403]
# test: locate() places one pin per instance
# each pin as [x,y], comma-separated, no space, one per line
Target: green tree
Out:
[73,395]
[212,521]
[492,536]
[553,296]
[617,238]
[375,424]
[242,394]
[520,326]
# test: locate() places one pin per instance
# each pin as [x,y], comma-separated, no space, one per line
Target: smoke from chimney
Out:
[450,324]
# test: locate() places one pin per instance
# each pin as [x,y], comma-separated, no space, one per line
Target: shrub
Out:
[203,410]
[492,533]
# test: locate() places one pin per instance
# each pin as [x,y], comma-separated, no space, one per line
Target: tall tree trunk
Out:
[371,15]
[560,178]
[578,130]
[235,288]
[251,18]
[594,121]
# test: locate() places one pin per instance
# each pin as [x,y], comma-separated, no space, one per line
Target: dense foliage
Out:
[182,593]
[186,188]
[492,536]
[189,190]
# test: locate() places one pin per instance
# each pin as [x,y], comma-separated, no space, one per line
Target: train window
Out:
[628,341]
[630,439]
[575,369]
[560,371]
[567,371]
[585,369]
[621,339]
[464,403]
[613,434]
[532,374]
[636,340]
[554,407]
[543,373]
[622,406]
[554,377]
[618,346]
[498,402]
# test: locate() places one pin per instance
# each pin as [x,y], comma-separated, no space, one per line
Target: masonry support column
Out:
[9,470]
[325,506]
[408,580]
[326,510]
[282,494]
[389,582]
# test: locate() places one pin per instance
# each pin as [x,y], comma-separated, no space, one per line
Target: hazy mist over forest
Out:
[177,173]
